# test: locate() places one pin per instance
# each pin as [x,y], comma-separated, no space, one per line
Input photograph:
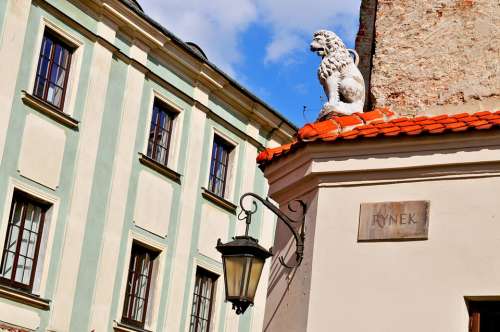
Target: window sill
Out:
[219,201]
[49,110]
[22,297]
[162,169]
[122,327]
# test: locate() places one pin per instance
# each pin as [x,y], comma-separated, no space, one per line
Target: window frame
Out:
[57,39]
[196,314]
[126,316]
[211,186]
[25,198]
[74,40]
[476,307]
[170,119]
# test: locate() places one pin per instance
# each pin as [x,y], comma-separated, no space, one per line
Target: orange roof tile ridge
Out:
[382,122]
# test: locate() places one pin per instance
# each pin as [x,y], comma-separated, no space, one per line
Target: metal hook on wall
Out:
[299,236]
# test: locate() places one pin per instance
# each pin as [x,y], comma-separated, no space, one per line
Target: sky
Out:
[263,44]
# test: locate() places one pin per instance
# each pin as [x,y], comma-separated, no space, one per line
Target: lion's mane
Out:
[336,56]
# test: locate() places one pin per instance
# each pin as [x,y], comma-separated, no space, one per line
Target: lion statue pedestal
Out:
[339,75]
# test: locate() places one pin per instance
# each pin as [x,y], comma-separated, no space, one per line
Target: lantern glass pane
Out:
[253,281]
[234,273]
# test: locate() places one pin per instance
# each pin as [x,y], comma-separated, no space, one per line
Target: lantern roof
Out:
[243,245]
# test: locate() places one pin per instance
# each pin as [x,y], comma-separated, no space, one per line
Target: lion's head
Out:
[333,51]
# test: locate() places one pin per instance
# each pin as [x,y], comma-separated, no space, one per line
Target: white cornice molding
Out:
[379,161]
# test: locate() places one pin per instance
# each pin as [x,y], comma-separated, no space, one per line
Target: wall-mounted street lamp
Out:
[243,258]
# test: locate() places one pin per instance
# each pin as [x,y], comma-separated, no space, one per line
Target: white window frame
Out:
[232,163]
[156,279]
[75,66]
[219,291]
[175,137]
[45,252]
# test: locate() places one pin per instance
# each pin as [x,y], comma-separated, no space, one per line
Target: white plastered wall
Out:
[289,289]
[11,47]
[115,219]
[153,203]
[189,196]
[42,151]
[214,225]
[411,285]
[89,133]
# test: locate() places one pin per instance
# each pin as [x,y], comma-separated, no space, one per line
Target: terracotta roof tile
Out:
[390,130]
[457,124]
[348,121]
[380,123]
[433,126]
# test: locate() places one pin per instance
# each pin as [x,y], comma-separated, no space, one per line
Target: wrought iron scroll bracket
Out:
[299,235]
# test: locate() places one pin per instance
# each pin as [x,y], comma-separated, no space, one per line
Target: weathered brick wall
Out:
[434,53]
[365,43]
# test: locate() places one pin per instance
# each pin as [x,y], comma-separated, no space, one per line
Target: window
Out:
[138,285]
[160,132]
[22,242]
[53,69]
[203,296]
[218,166]
[484,316]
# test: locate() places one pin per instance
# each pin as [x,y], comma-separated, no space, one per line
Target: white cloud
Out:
[216,25]
[282,45]
[294,21]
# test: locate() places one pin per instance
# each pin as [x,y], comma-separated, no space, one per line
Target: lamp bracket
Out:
[299,235]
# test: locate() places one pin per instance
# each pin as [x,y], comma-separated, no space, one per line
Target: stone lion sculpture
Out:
[339,75]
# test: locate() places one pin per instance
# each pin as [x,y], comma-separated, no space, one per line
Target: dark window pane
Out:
[46,46]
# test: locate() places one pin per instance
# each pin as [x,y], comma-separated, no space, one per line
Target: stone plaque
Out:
[393,221]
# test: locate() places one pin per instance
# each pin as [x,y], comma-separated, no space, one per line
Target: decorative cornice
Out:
[121,327]
[189,63]
[162,169]
[49,110]
[24,298]
[219,201]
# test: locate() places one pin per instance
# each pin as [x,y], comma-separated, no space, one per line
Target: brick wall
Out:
[431,56]
[365,43]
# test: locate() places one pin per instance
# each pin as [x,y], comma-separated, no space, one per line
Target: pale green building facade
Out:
[113,192]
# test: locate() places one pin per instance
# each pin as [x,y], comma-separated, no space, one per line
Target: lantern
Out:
[243,260]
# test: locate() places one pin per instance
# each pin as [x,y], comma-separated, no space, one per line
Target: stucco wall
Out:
[102,195]
[433,53]
[405,286]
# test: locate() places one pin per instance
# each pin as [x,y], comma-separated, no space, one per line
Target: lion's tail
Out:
[355,55]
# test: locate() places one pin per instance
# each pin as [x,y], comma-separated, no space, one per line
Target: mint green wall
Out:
[104,165]
[122,42]
[169,74]
[170,242]
[8,168]
[100,195]
[226,112]
[75,13]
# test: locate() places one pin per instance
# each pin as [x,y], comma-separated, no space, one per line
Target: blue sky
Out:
[263,44]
